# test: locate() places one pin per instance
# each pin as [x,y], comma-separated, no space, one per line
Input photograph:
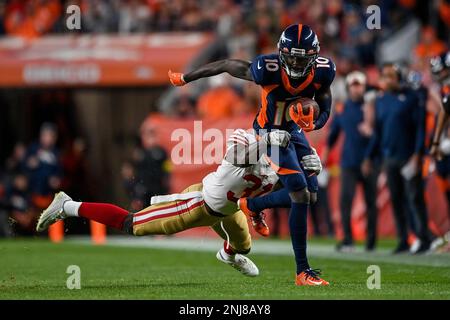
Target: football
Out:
[305,103]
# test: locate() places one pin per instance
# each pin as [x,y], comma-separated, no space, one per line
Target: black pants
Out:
[407,195]
[350,177]
[321,213]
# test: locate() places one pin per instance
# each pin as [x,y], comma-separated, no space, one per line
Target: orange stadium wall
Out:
[185,174]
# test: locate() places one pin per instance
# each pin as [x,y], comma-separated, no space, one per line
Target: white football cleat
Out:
[241,263]
[54,212]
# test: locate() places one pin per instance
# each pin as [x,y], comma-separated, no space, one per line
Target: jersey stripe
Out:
[161,212]
[262,115]
[171,214]
[300,27]
[292,90]
[280,170]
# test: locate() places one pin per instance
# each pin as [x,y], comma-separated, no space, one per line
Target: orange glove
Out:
[304,121]
[176,78]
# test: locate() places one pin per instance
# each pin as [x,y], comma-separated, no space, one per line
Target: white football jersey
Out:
[222,188]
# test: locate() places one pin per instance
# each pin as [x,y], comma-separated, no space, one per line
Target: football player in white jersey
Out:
[243,172]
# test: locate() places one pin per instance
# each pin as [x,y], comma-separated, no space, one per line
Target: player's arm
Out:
[243,153]
[323,99]
[236,68]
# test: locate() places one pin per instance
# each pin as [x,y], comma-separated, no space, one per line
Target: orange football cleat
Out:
[310,277]
[260,225]
[242,204]
[176,78]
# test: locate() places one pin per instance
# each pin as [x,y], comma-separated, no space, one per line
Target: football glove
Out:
[305,121]
[312,162]
[176,78]
[277,138]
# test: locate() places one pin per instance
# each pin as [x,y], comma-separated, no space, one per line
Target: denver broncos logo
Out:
[284,39]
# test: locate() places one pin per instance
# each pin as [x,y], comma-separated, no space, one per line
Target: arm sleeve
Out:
[257,68]
[325,109]
[324,97]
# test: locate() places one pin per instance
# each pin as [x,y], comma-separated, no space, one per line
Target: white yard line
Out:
[271,247]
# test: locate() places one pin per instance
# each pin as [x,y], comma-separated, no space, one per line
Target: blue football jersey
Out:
[278,90]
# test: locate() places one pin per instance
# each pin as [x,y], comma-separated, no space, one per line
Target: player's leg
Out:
[415,191]
[285,161]
[370,196]
[174,216]
[234,230]
[63,206]
[396,190]
[349,178]
[162,218]
[276,199]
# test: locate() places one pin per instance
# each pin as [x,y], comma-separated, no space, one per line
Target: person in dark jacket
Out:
[399,138]
[348,121]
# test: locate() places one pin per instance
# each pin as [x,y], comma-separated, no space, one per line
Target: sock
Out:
[228,251]
[277,199]
[298,229]
[71,208]
[108,214]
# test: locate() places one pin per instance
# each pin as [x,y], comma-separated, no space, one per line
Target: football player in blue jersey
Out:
[295,71]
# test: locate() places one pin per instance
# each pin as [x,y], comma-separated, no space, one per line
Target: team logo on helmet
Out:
[283,38]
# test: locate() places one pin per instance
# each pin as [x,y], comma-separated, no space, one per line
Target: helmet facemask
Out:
[297,63]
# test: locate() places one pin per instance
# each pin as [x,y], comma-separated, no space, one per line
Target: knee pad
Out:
[312,197]
[301,196]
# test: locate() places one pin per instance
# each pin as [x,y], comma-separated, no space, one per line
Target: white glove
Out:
[277,138]
[445,146]
[312,162]
[323,177]
[409,170]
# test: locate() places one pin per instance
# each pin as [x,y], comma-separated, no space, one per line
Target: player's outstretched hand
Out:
[312,162]
[176,78]
[277,138]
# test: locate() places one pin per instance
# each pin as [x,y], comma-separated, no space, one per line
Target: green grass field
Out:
[36,269]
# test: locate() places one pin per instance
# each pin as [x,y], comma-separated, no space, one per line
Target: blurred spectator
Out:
[2,18]
[348,120]
[15,163]
[75,169]
[184,107]
[428,47]
[399,138]
[99,16]
[148,175]
[42,162]
[31,18]
[220,101]
[134,16]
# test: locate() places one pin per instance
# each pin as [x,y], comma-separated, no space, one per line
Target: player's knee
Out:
[312,197]
[300,196]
